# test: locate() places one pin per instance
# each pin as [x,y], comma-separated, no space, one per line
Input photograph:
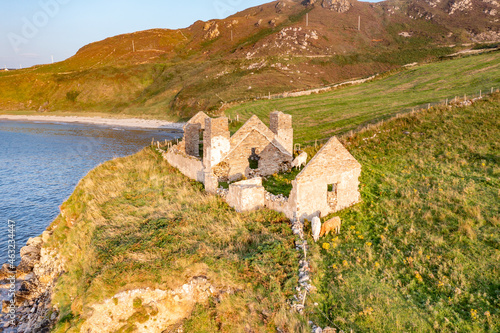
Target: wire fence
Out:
[463,100]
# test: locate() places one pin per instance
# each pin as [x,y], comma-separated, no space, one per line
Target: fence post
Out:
[480,94]
[447,102]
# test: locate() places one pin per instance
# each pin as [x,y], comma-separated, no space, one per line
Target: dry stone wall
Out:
[189,166]
[192,139]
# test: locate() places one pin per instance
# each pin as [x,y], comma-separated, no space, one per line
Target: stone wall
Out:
[199,118]
[278,203]
[270,156]
[246,195]
[189,166]
[192,139]
[281,126]
[333,165]
[215,141]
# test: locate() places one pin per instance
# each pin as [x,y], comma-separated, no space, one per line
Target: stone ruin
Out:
[209,154]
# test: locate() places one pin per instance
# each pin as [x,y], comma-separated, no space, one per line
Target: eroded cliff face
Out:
[36,276]
[150,310]
[143,310]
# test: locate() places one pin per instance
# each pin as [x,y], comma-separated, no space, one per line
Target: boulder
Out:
[340,6]
[45,236]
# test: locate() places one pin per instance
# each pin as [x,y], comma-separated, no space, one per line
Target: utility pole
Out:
[231,35]
[359,23]
[307,19]
[52,59]
[133,46]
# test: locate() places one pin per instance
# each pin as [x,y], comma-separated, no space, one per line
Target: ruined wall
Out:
[270,156]
[272,160]
[332,165]
[215,141]
[199,118]
[312,194]
[192,139]
[189,166]
[347,192]
[278,203]
[281,126]
[246,195]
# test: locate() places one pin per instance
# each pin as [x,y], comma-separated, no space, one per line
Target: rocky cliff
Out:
[36,275]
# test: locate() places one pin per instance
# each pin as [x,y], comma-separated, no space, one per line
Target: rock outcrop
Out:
[340,6]
[212,30]
[151,311]
[36,276]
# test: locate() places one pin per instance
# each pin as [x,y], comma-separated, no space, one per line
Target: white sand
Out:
[126,122]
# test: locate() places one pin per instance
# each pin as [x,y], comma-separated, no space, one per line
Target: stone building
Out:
[254,150]
[328,183]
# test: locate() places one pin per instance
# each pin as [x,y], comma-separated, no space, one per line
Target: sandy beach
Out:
[126,122]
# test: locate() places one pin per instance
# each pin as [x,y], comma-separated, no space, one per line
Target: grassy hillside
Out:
[421,253]
[139,223]
[320,116]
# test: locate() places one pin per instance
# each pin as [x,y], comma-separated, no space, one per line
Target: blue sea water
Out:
[41,163]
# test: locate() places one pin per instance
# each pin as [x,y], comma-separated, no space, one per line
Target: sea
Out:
[41,163]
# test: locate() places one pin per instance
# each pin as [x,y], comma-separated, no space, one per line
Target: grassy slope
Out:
[323,115]
[421,253]
[421,250]
[139,223]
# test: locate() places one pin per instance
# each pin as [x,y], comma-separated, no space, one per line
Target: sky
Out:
[41,31]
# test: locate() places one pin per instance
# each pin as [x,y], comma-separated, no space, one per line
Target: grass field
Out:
[323,115]
[421,253]
[139,223]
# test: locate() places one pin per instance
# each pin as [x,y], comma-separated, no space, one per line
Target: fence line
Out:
[465,100]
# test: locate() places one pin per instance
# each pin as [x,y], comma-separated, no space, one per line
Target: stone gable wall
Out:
[272,160]
[270,156]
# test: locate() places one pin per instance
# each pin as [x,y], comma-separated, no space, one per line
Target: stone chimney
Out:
[215,141]
[192,139]
[281,126]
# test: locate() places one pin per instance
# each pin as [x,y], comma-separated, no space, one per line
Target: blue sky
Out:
[32,31]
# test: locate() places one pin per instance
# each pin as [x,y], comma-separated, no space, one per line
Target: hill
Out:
[276,47]
[320,116]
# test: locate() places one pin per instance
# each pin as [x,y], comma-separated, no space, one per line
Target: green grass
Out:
[139,223]
[421,252]
[323,115]
[280,183]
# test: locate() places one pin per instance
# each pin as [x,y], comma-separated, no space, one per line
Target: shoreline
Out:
[125,122]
